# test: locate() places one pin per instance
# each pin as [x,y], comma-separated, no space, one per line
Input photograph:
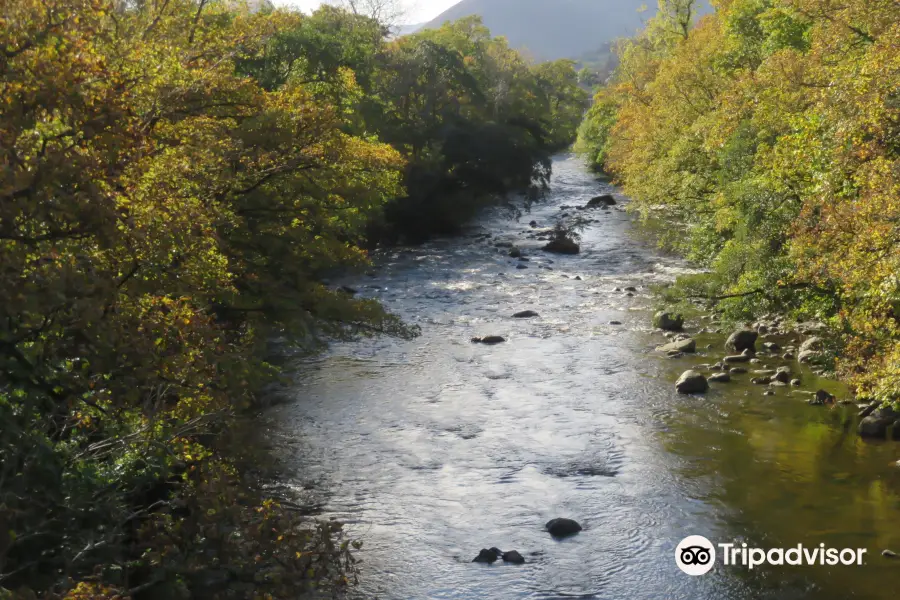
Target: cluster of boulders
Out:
[876,420]
[492,555]
[558,528]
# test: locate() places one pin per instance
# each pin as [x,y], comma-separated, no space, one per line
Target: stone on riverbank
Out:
[563,527]
[879,422]
[744,339]
[668,321]
[685,345]
[490,340]
[691,382]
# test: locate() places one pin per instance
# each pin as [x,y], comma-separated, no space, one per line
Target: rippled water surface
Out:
[435,448]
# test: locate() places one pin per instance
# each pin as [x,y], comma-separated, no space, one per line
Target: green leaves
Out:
[768,134]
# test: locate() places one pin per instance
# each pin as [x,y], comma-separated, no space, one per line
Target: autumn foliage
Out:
[770,131]
[178,180]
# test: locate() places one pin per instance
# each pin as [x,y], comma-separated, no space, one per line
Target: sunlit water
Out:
[434,448]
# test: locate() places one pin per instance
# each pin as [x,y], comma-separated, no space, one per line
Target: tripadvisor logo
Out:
[696,555]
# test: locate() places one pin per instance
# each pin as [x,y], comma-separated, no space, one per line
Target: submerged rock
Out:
[668,321]
[737,358]
[744,339]
[489,340]
[562,527]
[691,382]
[525,314]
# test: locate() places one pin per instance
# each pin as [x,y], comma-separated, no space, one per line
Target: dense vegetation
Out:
[771,132]
[177,178]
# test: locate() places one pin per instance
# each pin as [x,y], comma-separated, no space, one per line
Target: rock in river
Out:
[604,200]
[744,339]
[488,556]
[691,382]
[563,527]
[525,314]
[668,321]
[489,340]
[685,345]
[720,378]
[513,557]
[562,246]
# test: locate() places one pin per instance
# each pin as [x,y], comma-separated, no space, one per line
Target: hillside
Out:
[554,29]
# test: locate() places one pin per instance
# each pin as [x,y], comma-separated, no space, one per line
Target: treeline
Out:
[177,178]
[770,132]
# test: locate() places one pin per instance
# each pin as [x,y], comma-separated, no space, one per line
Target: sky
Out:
[419,11]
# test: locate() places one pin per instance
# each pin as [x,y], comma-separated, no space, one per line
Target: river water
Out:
[432,449]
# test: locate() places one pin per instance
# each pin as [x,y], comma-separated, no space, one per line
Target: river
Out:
[432,449]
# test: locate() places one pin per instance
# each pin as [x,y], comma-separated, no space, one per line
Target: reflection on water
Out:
[434,448]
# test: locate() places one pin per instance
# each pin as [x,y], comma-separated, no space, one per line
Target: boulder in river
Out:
[719,378]
[563,527]
[515,252]
[525,314]
[783,374]
[562,245]
[881,421]
[685,345]
[533,224]
[813,343]
[489,340]
[743,339]
[603,200]
[488,556]
[737,370]
[668,321]
[691,382]
[513,557]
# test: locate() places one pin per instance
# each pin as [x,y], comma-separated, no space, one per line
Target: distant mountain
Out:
[551,29]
